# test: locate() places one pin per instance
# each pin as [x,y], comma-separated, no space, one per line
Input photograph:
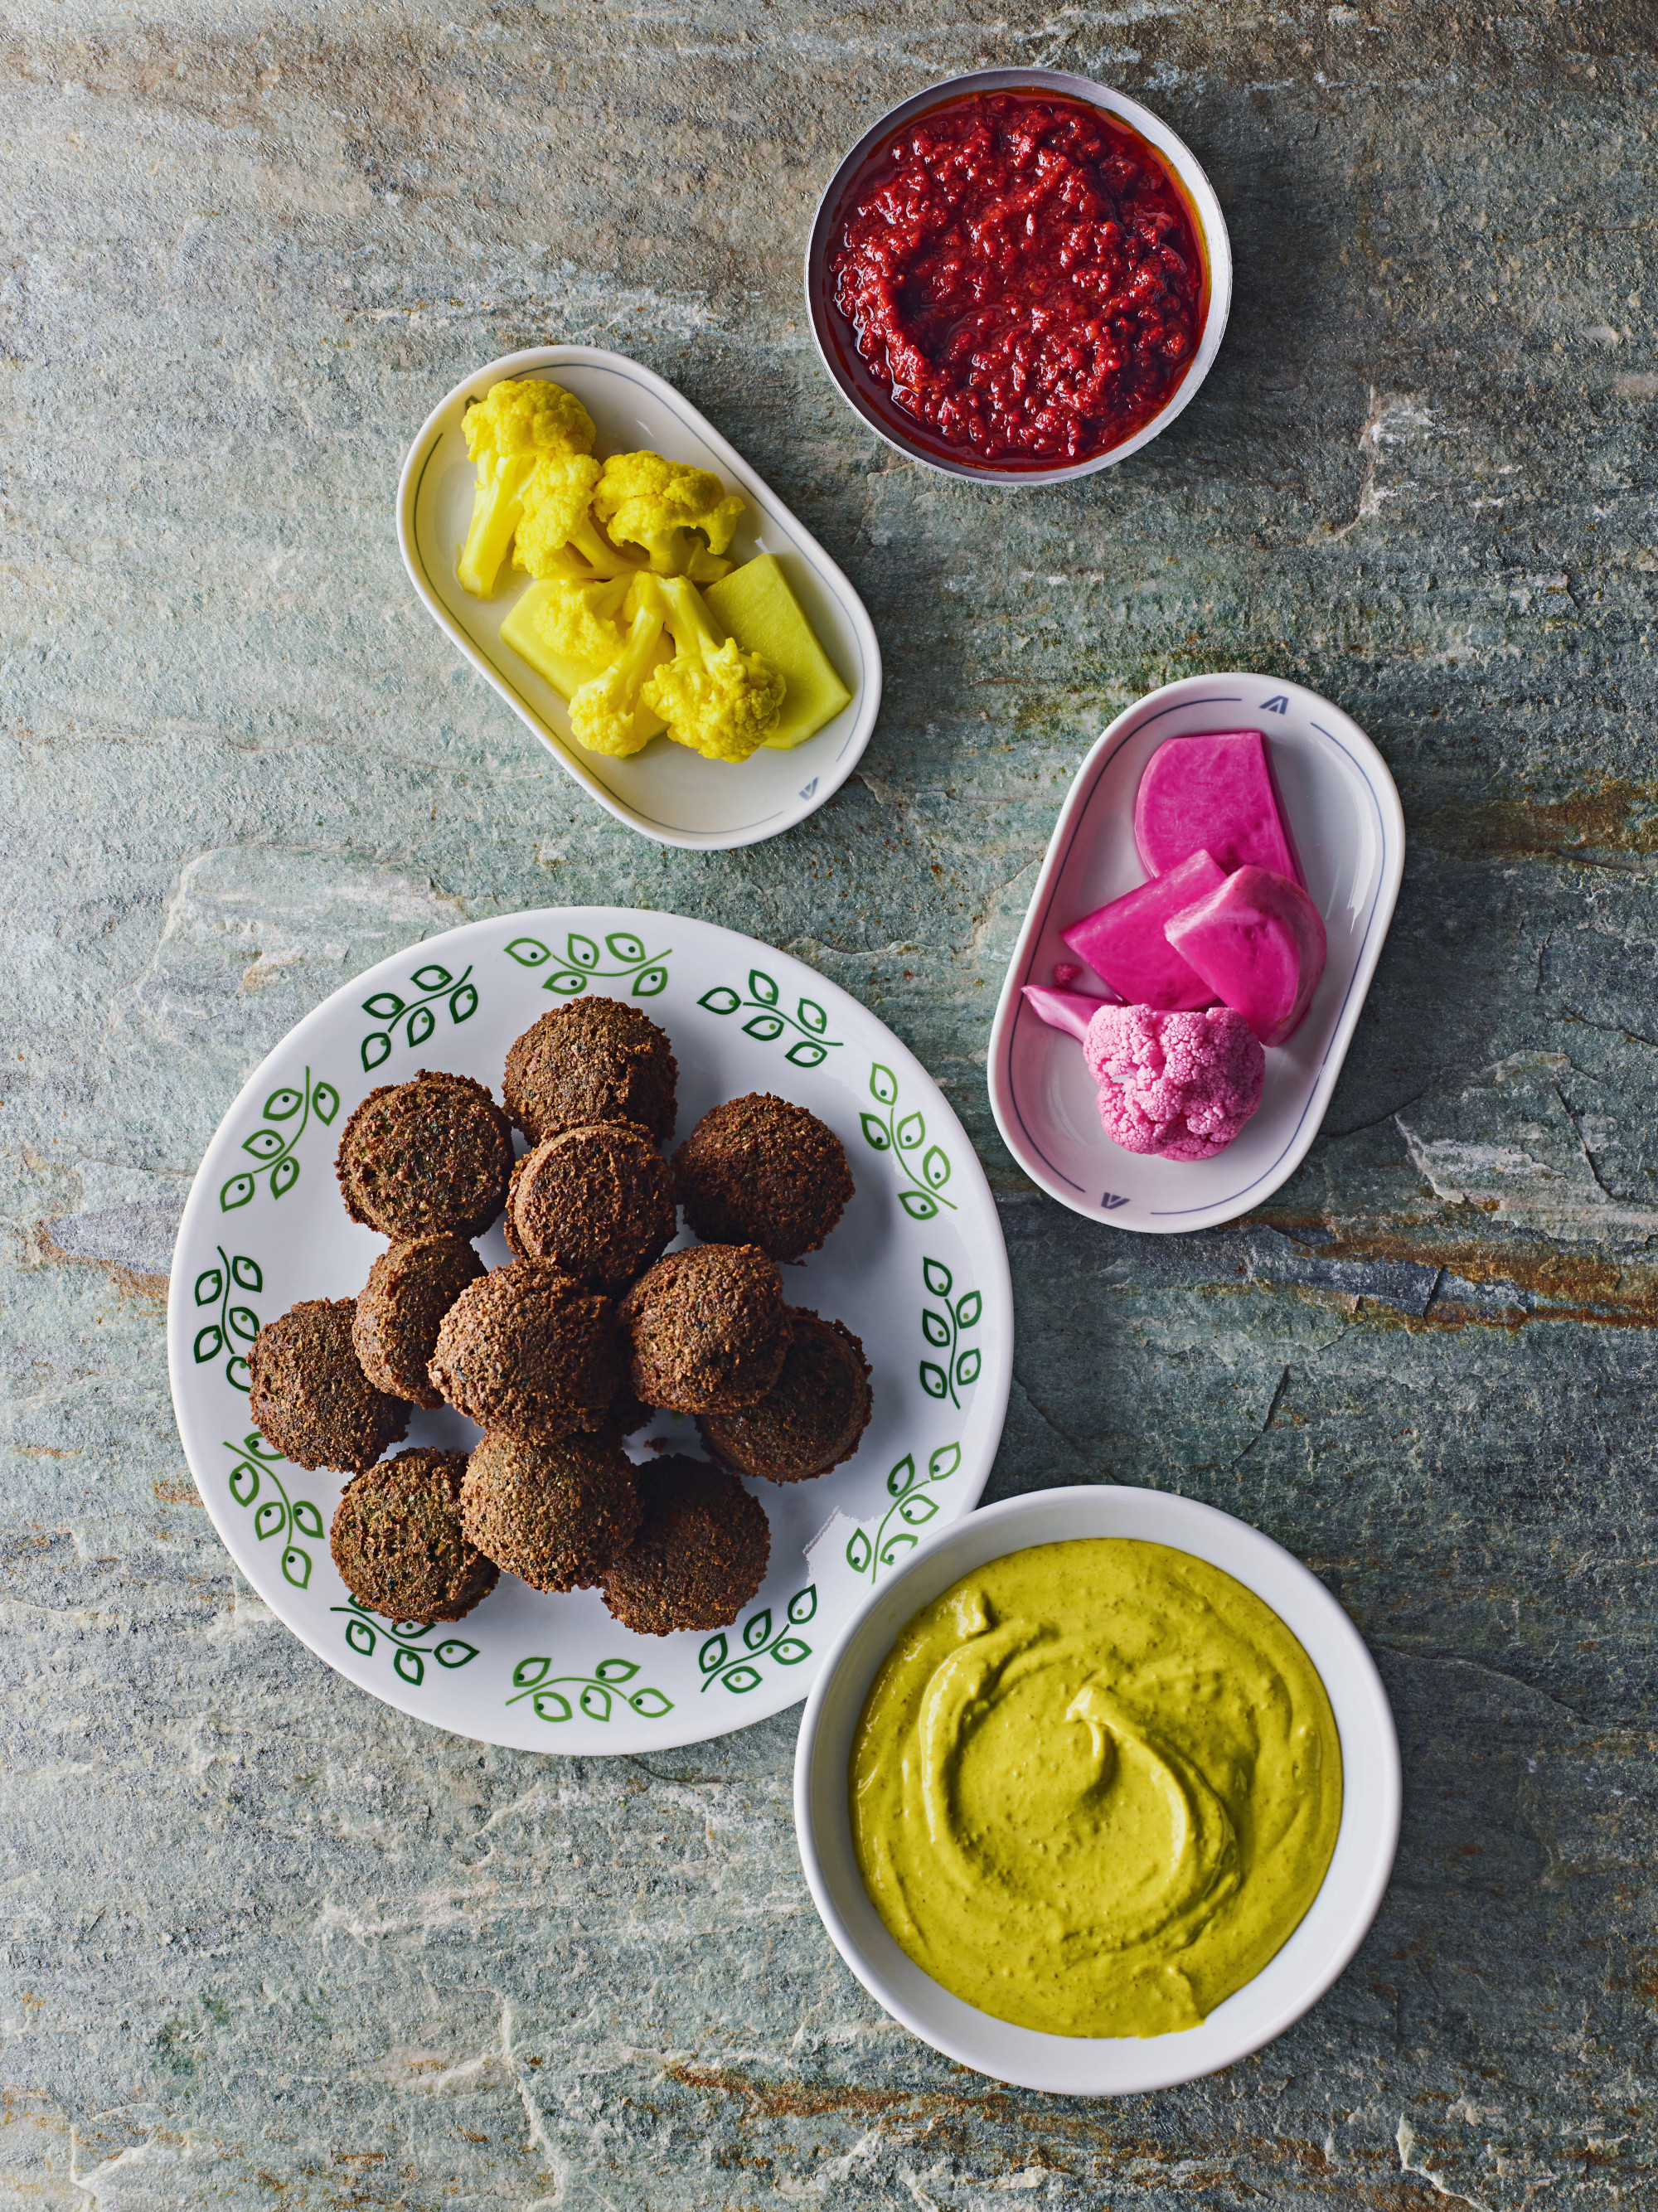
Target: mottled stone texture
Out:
[269,1943]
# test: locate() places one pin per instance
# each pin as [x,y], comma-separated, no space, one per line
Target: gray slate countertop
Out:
[269,1943]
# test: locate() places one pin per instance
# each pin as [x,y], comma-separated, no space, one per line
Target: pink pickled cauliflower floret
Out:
[1180,1085]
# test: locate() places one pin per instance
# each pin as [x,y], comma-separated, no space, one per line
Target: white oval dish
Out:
[1336,1923]
[1349,829]
[916,1267]
[667,792]
[827,325]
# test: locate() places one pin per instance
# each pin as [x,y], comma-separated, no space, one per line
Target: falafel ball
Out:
[426,1159]
[701,1554]
[309,1395]
[592,1060]
[596,1199]
[409,1289]
[529,1351]
[811,1418]
[554,1513]
[759,1170]
[399,1544]
[708,1329]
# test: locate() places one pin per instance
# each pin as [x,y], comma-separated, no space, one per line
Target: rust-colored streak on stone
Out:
[1610,817]
[793,2100]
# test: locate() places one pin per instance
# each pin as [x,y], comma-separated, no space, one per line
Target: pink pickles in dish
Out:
[1124,942]
[1180,1085]
[1258,942]
[1214,794]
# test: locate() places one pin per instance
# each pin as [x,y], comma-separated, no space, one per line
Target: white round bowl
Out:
[1103,2066]
[828,328]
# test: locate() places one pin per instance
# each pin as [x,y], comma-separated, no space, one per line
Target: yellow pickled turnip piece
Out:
[757,605]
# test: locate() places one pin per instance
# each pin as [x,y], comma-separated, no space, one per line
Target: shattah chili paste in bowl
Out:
[1018,277]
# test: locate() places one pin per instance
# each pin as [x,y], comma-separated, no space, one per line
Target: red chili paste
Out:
[1022,278]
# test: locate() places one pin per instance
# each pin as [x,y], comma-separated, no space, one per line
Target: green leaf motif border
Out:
[290,1518]
[768,1019]
[275,1145]
[214,1287]
[365,1630]
[595,1694]
[904,1136]
[432,984]
[912,1506]
[739,1671]
[645,973]
[959,1369]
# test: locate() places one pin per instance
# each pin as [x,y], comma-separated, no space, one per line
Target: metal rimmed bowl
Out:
[1316,1953]
[834,336]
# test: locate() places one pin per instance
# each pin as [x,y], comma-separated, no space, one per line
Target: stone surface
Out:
[268,1942]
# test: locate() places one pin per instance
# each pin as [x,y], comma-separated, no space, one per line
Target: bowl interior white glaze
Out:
[1201,200]
[1314,1955]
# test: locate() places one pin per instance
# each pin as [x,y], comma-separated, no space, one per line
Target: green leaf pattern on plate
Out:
[581,962]
[561,1697]
[274,1146]
[255,1485]
[912,1506]
[236,1325]
[738,1670]
[769,1019]
[364,1631]
[959,1368]
[432,987]
[925,1167]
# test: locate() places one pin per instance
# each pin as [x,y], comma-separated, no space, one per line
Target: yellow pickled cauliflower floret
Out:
[716,698]
[644,501]
[605,713]
[557,523]
[518,422]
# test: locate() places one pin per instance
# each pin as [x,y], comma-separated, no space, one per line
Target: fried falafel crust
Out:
[701,1554]
[813,1416]
[761,1170]
[708,1329]
[554,1513]
[398,1541]
[596,1199]
[593,1059]
[309,1395]
[426,1158]
[529,1351]
[409,1289]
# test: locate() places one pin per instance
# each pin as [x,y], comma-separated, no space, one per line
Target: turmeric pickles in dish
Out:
[635,616]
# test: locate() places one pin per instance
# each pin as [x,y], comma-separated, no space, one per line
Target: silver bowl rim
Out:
[1151,127]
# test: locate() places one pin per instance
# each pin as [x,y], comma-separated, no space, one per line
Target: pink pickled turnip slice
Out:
[1124,942]
[1214,794]
[1259,942]
[1072,1011]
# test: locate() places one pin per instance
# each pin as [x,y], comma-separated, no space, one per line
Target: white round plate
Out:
[1335,1924]
[1349,831]
[667,792]
[916,1267]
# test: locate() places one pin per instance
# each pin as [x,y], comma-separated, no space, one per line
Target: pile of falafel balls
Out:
[563,1353]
